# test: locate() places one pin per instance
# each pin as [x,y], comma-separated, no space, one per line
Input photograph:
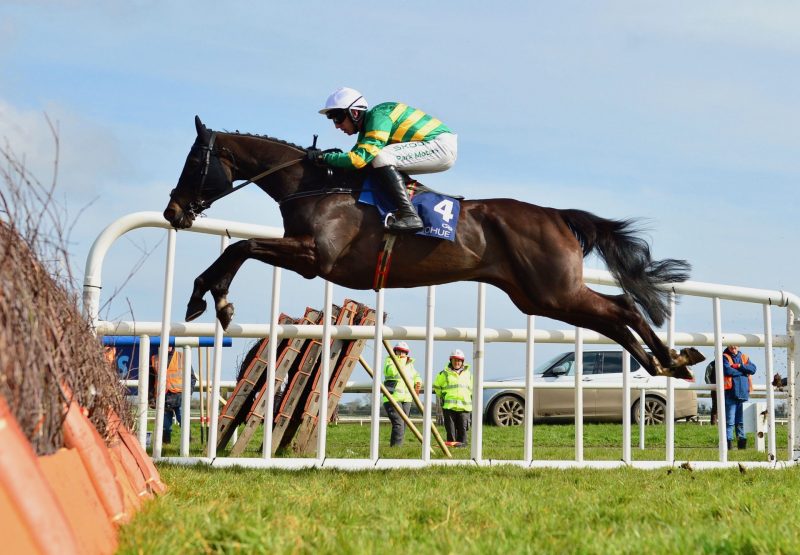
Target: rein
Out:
[252,179]
[316,193]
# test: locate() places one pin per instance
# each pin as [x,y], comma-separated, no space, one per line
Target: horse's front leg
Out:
[296,254]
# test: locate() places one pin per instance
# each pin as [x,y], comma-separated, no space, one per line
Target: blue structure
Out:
[126,351]
[128,340]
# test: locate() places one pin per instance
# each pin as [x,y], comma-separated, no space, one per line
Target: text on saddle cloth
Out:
[439,212]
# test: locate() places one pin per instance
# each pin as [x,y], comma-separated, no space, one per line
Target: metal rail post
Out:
[642,401]
[792,382]
[670,416]
[166,318]
[579,394]
[144,387]
[477,382]
[213,422]
[322,418]
[377,380]
[626,407]
[272,356]
[768,369]
[720,380]
[186,399]
[529,408]
[427,415]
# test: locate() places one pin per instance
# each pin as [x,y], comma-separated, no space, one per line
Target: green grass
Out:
[693,442]
[501,509]
[469,510]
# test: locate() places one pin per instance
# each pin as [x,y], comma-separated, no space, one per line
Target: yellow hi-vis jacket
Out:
[454,389]
[394,382]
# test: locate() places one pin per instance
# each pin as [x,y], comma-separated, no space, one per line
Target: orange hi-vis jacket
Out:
[729,379]
[174,371]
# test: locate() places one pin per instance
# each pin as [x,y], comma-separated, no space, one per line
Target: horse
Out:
[532,253]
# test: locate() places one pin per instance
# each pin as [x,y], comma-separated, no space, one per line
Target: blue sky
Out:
[684,114]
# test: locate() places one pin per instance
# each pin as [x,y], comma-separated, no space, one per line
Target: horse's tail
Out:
[628,259]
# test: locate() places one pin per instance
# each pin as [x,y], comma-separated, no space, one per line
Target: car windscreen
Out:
[541,368]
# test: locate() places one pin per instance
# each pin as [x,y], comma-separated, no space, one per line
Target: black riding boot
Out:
[406,219]
[742,443]
[730,445]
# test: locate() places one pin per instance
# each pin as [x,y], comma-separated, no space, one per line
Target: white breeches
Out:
[420,157]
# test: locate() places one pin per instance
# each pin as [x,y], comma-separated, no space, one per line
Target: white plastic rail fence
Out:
[479,335]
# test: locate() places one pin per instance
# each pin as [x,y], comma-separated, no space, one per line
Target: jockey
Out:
[392,137]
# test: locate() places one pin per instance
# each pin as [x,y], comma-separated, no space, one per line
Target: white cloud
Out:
[88,153]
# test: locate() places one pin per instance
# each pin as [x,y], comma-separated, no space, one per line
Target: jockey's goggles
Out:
[337,116]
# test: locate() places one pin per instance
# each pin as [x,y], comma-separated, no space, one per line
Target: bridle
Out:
[197,207]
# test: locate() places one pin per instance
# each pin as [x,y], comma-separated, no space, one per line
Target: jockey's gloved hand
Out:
[316,156]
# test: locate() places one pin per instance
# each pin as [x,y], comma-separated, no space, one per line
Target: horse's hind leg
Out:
[612,315]
[290,253]
[616,332]
[586,309]
[630,316]
[677,362]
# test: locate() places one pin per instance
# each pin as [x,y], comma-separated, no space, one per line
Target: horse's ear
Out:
[202,131]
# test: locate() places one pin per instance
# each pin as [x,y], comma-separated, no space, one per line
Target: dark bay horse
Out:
[534,254]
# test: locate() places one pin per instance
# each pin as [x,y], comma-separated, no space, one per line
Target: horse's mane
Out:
[266,138]
[339,178]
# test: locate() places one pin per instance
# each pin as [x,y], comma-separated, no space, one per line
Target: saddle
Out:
[414,186]
[439,212]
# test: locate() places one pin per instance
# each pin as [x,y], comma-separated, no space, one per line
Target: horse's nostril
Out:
[172,212]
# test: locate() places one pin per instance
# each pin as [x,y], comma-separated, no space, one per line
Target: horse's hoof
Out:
[225,315]
[693,356]
[686,357]
[195,308]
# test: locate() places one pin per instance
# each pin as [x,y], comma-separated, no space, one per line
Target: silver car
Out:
[505,407]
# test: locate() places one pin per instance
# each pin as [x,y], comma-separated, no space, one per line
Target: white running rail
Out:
[479,335]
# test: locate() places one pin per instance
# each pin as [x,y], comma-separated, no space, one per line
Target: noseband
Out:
[197,207]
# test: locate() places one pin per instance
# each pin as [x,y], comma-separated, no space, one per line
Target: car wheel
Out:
[508,410]
[655,411]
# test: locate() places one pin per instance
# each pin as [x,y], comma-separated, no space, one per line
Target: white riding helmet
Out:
[401,346]
[457,354]
[345,98]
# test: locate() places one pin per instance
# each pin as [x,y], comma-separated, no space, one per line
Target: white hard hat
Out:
[401,346]
[458,353]
[345,98]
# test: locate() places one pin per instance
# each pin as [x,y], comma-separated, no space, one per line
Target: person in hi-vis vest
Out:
[453,388]
[398,390]
[173,398]
[737,370]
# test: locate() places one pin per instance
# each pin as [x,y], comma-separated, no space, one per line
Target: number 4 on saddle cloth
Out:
[439,212]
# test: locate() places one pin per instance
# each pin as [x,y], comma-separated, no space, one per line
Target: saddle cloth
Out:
[439,212]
